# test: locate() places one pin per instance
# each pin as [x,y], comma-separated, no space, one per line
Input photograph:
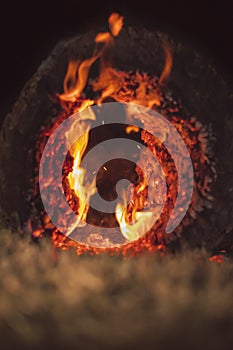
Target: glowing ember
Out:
[217,258]
[142,89]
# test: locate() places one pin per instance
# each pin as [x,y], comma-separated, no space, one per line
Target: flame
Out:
[71,93]
[109,82]
[132,231]
[77,74]
[115,23]
[76,177]
[168,65]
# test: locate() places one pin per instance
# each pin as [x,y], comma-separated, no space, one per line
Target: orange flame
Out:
[77,74]
[168,65]
[109,81]
[132,231]
[76,177]
[115,23]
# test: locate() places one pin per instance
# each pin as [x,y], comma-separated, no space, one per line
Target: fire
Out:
[115,23]
[109,82]
[76,178]
[77,73]
[167,67]
[124,87]
[133,231]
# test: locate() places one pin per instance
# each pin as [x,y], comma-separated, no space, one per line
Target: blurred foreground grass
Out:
[66,301]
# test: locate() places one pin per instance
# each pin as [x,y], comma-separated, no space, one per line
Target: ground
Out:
[56,299]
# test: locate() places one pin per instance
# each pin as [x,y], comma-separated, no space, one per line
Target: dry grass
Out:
[103,302]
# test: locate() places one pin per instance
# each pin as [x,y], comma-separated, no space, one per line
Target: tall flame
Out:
[77,74]
[168,65]
[83,189]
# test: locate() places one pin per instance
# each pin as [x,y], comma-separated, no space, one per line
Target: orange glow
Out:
[168,65]
[77,73]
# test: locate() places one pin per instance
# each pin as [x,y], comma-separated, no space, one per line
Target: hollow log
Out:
[194,82]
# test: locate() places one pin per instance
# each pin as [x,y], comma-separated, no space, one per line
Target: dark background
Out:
[29,31]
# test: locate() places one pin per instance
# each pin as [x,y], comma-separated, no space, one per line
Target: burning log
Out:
[194,83]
